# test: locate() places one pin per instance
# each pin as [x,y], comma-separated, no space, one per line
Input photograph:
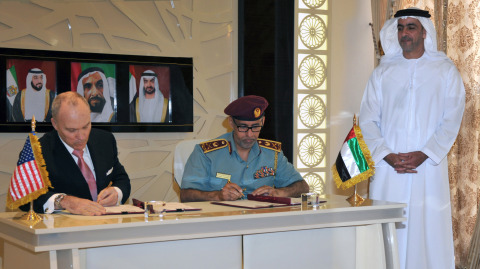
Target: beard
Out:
[37,87]
[245,142]
[96,104]
[149,90]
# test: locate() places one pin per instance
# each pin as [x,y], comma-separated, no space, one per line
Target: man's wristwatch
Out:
[58,200]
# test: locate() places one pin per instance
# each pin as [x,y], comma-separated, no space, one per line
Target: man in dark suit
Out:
[76,188]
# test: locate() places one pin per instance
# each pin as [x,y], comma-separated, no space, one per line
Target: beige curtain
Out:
[463,45]
[381,11]
[458,34]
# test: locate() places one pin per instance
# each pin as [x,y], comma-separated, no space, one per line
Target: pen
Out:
[244,189]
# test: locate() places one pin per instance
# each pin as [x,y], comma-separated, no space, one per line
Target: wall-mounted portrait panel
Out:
[126,93]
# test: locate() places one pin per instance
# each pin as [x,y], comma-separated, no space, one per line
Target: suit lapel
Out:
[64,157]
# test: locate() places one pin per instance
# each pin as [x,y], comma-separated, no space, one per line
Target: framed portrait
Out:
[96,82]
[30,90]
[149,93]
[126,93]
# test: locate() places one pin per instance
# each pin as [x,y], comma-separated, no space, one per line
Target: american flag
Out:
[27,183]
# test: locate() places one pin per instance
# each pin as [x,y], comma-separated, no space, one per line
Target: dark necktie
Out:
[87,174]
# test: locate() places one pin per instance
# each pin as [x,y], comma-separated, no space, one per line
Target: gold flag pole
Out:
[355,199]
[31,215]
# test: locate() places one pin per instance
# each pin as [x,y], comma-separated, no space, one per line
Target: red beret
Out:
[248,108]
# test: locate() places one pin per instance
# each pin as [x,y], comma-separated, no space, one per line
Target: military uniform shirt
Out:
[210,171]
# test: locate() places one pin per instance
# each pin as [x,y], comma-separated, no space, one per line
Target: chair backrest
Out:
[182,152]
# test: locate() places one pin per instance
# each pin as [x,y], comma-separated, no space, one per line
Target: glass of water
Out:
[310,200]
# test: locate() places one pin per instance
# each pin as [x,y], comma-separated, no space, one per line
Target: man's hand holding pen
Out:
[231,192]
[108,197]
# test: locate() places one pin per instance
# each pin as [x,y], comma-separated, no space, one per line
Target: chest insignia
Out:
[264,172]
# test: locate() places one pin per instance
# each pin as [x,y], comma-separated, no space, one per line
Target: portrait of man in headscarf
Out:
[151,103]
[35,99]
[95,87]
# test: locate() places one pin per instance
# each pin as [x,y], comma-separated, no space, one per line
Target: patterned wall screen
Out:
[311,91]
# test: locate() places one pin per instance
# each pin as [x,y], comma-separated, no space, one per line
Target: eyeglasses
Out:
[245,128]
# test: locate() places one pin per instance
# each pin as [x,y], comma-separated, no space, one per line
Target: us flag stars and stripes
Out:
[26,178]
[30,178]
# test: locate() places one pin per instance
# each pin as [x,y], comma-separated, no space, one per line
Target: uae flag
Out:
[354,162]
[132,84]
[30,178]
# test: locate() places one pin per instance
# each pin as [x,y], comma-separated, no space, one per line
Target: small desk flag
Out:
[354,163]
[30,178]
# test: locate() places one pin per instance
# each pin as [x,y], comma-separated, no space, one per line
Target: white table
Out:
[336,235]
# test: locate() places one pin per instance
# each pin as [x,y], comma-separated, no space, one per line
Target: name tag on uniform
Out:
[224,176]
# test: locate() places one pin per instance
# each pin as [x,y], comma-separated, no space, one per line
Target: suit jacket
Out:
[65,175]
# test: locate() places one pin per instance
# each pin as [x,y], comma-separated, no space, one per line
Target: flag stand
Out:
[355,199]
[31,215]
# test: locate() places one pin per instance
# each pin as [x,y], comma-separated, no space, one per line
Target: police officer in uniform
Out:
[239,163]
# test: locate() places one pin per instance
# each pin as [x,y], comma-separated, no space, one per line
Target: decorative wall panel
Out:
[311,92]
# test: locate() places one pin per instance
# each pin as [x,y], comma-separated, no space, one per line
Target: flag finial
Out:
[354,119]
[33,123]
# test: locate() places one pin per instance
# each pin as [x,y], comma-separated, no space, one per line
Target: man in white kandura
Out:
[410,116]
[35,100]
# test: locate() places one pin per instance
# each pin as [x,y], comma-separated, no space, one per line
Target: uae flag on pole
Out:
[30,178]
[354,162]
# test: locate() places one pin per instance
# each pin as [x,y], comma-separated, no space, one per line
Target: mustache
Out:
[405,38]
[96,97]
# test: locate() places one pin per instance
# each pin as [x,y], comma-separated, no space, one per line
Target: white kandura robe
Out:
[415,105]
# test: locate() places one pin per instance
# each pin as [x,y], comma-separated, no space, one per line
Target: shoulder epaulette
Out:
[269,144]
[215,144]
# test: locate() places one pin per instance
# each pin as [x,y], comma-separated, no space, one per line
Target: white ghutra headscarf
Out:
[389,34]
[107,111]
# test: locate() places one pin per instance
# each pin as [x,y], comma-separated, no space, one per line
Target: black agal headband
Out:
[412,12]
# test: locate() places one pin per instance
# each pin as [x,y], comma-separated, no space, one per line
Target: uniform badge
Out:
[257,112]
[223,176]
[215,144]
[269,144]
[264,172]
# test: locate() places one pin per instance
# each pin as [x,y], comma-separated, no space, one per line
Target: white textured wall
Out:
[205,30]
